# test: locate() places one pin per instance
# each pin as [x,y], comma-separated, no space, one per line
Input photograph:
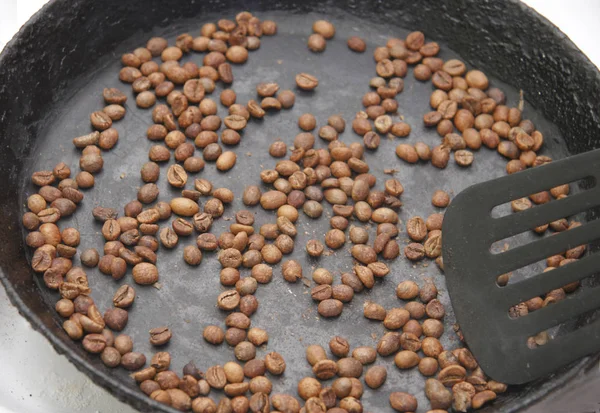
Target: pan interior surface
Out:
[187,295]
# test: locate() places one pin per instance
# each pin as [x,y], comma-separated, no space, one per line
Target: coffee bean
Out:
[321,292]
[349,367]
[324,28]
[451,375]
[356,44]
[403,402]
[160,336]
[291,271]
[374,311]
[416,229]
[308,387]
[316,42]
[407,290]
[439,396]
[245,351]
[463,157]
[375,376]
[306,81]
[325,369]
[94,343]
[145,273]
[435,309]
[275,363]
[100,120]
[110,357]
[116,318]
[407,153]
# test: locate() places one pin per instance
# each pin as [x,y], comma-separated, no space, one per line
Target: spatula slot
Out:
[542,337]
[550,194]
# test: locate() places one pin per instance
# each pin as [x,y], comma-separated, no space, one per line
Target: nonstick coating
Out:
[53,74]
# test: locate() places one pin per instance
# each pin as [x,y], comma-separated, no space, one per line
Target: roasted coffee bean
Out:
[356,44]
[160,336]
[316,42]
[324,28]
[275,363]
[124,296]
[374,311]
[306,81]
[375,376]
[308,387]
[349,367]
[116,318]
[94,343]
[451,375]
[403,402]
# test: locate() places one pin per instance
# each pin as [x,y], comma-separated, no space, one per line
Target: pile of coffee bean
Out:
[467,114]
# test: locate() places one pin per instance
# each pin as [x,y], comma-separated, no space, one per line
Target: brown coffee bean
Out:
[145,273]
[110,357]
[375,376]
[114,96]
[91,163]
[100,120]
[215,376]
[403,402]
[388,344]
[325,369]
[364,254]
[330,308]
[316,42]
[451,375]
[314,354]
[291,271]
[308,387]
[306,81]
[321,292]
[463,157]
[274,363]
[439,396]
[428,366]
[324,28]
[228,300]
[116,318]
[407,153]
[160,336]
[335,238]
[94,343]
[245,351]
[342,387]
[416,229]
[349,367]
[124,296]
[481,398]
[435,309]
[356,44]
[272,200]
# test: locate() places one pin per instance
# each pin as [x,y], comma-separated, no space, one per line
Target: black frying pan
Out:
[52,75]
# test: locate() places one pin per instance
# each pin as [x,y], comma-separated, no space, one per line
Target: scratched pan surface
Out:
[52,78]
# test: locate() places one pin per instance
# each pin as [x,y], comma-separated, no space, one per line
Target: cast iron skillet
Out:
[52,74]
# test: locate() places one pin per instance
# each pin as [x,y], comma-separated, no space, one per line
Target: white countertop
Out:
[35,379]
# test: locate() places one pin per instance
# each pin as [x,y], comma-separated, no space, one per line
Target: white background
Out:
[34,379]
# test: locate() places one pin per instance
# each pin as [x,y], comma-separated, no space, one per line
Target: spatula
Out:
[499,342]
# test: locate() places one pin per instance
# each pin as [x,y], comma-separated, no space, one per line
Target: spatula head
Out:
[498,341]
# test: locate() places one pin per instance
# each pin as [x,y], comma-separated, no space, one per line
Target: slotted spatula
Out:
[499,342]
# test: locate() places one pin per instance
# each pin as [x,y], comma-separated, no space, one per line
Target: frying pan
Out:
[52,74]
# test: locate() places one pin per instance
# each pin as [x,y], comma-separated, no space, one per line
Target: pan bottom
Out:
[186,298]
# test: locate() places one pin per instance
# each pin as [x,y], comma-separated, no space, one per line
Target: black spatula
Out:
[498,341]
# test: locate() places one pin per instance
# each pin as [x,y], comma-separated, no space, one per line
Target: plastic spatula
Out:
[499,342]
